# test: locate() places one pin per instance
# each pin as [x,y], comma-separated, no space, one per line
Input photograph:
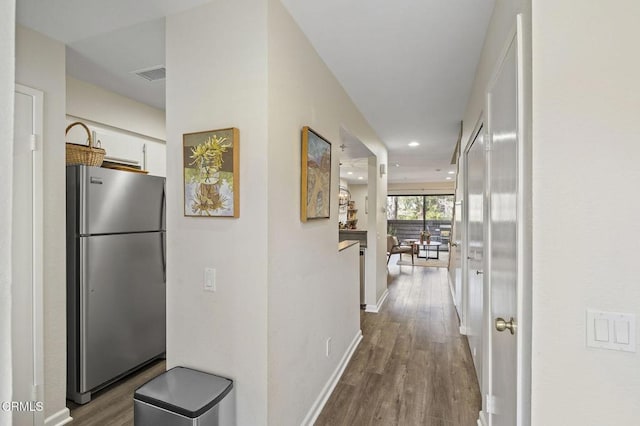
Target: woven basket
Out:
[83,154]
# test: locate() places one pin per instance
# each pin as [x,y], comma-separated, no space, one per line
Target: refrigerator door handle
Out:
[163,205]
[164,257]
[82,206]
[162,231]
[84,255]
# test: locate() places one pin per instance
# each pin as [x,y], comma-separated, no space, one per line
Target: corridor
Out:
[412,366]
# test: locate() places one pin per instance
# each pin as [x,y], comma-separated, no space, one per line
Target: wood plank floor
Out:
[113,405]
[412,366]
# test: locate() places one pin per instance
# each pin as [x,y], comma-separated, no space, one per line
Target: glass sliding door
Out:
[405,216]
[408,215]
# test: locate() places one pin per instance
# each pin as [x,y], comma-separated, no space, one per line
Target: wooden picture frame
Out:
[315,182]
[211,173]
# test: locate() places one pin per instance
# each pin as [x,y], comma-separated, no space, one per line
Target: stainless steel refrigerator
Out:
[116,276]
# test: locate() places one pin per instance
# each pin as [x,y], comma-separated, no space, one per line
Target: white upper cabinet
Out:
[124,147]
[121,148]
[156,158]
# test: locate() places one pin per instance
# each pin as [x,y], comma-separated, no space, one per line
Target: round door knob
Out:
[502,325]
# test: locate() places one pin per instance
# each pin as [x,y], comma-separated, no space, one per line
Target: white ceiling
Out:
[354,158]
[74,20]
[108,59]
[354,171]
[108,39]
[407,64]
[409,67]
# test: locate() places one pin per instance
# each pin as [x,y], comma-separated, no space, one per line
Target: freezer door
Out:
[122,304]
[114,201]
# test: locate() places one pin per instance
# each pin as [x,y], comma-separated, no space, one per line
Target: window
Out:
[405,207]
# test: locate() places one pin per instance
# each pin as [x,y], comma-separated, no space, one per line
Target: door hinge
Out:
[33,142]
[491,404]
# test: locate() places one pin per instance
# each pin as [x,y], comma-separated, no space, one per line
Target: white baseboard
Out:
[60,418]
[322,399]
[452,289]
[482,420]
[376,308]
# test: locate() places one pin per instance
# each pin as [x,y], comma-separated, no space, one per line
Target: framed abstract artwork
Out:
[315,194]
[211,163]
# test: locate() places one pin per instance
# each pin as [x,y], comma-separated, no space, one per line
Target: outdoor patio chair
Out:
[393,247]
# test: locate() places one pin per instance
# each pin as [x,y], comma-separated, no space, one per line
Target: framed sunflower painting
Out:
[211,162]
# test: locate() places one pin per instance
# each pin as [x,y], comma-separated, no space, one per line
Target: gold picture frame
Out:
[211,173]
[315,182]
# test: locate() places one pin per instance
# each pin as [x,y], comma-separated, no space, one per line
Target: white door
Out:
[27,256]
[506,268]
[475,188]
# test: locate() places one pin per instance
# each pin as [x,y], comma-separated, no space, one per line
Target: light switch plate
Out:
[621,332]
[611,330]
[601,329]
[209,279]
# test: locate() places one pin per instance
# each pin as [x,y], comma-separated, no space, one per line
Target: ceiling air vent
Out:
[153,74]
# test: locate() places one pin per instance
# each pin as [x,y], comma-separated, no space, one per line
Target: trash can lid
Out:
[182,390]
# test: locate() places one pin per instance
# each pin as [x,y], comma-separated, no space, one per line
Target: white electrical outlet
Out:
[209,279]
[328,353]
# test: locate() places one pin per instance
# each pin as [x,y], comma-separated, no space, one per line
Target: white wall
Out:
[40,63]
[93,103]
[359,194]
[377,241]
[313,289]
[268,262]
[586,101]
[426,188]
[7,87]
[217,57]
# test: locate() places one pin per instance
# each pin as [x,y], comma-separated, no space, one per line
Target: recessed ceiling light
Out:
[397,165]
[451,172]
[360,177]
[449,178]
[349,173]
[414,143]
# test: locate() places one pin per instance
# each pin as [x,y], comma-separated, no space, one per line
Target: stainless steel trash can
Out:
[182,397]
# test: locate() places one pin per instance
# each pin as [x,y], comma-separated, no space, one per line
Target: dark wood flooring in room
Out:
[412,366]
[113,406]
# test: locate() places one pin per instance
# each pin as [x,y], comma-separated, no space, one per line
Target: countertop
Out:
[346,244]
[354,234]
